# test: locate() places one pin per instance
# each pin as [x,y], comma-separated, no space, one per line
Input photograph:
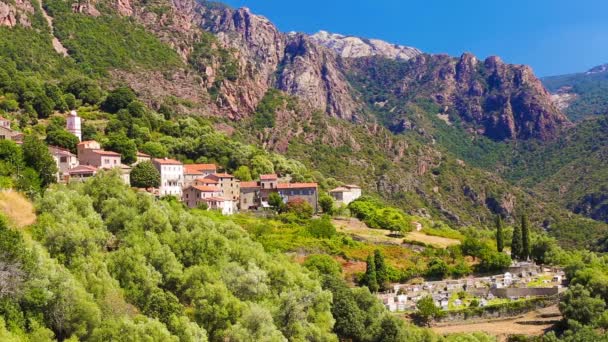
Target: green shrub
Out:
[321,228]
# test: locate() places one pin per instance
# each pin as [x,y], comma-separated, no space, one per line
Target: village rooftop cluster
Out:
[196,185]
[523,280]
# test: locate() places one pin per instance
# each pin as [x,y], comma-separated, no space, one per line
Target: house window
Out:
[63,159]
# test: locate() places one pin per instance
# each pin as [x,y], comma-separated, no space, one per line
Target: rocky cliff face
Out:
[499,100]
[16,12]
[258,46]
[294,63]
[311,72]
[355,47]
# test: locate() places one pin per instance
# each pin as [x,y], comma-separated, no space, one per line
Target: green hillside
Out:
[102,262]
[590,90]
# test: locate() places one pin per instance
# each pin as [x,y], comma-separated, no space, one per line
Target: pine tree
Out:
[500,243]
[525,238]
[370,274]
[516,243]
[381,271]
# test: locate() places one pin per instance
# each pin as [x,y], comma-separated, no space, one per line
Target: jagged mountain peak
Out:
[354,47]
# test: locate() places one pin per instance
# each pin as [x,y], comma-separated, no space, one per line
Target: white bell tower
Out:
[74,125]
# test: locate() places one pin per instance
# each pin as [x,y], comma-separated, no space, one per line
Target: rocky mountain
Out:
[250,56]
[355,47]
[581,95]
[206,59]
[491,98]
[499,100]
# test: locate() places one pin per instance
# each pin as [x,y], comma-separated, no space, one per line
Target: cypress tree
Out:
[500,243]
[516,243]
[525,238]
[381,271]
[370,274]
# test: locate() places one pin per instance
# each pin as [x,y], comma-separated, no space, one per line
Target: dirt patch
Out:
[18,209]
[435,241]
[359,230]
[534,323]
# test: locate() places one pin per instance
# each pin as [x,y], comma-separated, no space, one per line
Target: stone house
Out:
[195,195]
[230,186]
[269,182]
[250,196]
[65,161]
[345,194]
[196,171]
[305,191]
[6,133]
[90,153]
[206,181]
[171,176]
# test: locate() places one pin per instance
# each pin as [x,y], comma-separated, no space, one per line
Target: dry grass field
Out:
[18,209]
[435,241]
[358,229]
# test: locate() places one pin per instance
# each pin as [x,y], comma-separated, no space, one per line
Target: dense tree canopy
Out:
[145,175]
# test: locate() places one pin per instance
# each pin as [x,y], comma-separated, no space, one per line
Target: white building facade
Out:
[171,176]
[346,194]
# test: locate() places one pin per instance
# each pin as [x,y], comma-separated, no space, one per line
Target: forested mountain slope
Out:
[570,169]
[581,95]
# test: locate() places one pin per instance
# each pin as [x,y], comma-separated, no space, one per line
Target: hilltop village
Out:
[196,185]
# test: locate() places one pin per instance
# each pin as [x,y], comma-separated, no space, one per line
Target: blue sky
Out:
[553,36]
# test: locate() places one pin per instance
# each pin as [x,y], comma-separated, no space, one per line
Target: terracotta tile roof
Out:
[107,153]
[215,199]
[83,169]
[206,180]
[166,161]
[269,177]
[340,189]
[206,188]
[143,155]
[195,169]
[249,185]
[352,186]
[61,151]
[296,185]
[223,175]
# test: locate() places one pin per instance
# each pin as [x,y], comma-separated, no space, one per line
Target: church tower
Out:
[74,125]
